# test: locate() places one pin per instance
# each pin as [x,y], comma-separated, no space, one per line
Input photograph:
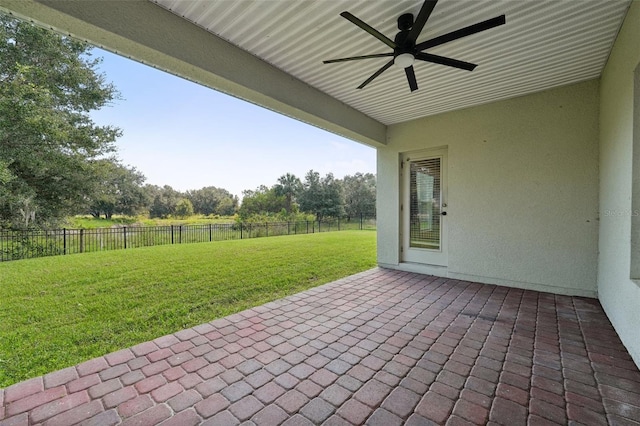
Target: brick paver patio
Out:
[380,348]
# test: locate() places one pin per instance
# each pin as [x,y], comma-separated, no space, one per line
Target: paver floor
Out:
[381,348]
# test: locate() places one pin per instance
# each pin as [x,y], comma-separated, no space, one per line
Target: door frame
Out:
[436,257]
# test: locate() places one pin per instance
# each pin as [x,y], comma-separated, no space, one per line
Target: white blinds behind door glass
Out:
[425,203]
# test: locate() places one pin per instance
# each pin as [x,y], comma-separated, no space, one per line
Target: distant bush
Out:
[279,217]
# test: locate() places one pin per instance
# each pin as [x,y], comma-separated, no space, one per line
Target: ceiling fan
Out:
[406,51]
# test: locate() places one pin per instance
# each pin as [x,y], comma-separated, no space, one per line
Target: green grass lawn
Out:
[59,311]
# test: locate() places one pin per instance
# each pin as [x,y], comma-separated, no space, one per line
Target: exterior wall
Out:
[523,190]
[619,295]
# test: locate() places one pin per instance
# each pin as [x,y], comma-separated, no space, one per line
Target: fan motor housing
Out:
[405,22]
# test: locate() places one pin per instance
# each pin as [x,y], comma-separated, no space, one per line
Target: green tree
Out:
[211,200]
[165,201]
[228,206]
[360,194]
[333,197]
[118,190]
[288,185]
[262,201]
[321,196]
[48,86]
[184,208]
[5,177]
[310,196]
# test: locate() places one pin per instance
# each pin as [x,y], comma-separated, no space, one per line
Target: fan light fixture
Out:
[406,50]
[404,60]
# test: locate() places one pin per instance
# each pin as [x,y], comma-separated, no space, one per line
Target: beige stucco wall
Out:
[619,295]
[523,190]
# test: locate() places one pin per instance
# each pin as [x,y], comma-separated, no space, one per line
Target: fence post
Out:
[210,234]
[266,227]
[64,240]
[361,221]
[307,226]
[124,234]
[288,228]
[81,240]
[179,234]
[241,226]
[171,234]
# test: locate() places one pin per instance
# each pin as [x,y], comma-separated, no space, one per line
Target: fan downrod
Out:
[405,23]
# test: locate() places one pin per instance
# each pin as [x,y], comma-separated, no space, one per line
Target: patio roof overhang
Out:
[271,53]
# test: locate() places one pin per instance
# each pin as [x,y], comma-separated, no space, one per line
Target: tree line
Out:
[315,195]
[56,162]
[121,191]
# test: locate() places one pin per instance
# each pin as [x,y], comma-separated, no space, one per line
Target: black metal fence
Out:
[24,244]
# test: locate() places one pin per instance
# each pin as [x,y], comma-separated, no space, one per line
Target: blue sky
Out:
[188,136]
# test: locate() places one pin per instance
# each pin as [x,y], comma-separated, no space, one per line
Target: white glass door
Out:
[424,208]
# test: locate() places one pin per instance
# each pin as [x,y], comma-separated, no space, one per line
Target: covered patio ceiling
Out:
[271,52]
[542,45]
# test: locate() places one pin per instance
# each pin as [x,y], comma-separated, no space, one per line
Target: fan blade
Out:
[368,28]
[355,58]
[376,74]
[462,32]
[411,78]
[427,57]
[421,19]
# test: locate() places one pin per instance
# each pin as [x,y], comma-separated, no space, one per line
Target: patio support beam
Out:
[150,34]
